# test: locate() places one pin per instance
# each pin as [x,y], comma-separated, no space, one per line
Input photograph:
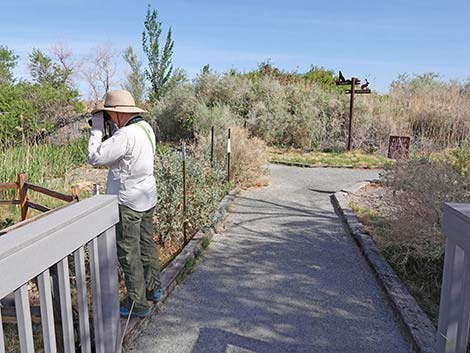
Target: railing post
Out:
[454,307]
[105,256]
[24,196]
[75,191]
[108,264]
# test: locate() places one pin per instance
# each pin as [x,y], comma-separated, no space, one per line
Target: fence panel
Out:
[454,310]
[31,250]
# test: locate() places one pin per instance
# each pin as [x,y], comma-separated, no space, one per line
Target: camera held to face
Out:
[109,127]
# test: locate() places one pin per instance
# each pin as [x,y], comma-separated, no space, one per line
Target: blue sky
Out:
[374,39]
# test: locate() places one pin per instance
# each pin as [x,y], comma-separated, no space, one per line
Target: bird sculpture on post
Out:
[341,77]
[365,85]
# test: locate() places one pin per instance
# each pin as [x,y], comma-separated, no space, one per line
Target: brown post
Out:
[75,191]
[351,107]
[24,196]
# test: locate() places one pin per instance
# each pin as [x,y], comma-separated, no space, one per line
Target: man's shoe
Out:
[124,312]
[155,295]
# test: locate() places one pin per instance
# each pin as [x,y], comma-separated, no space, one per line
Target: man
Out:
[129,154]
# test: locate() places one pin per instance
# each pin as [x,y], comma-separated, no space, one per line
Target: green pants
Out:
[138,255]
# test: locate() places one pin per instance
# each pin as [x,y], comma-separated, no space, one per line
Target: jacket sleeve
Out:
[107,152]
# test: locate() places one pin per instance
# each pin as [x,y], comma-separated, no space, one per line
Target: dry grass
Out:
[405,216]
[355,159]
[249,157]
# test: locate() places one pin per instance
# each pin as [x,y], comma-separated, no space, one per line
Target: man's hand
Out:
[97,122]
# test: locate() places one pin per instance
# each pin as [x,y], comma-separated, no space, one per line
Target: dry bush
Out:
[414,243]
[305,115]
[248,163]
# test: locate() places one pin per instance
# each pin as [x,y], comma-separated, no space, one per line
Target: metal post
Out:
[183,157]
[351,107]
[212,146]
[229,152]
[24,196]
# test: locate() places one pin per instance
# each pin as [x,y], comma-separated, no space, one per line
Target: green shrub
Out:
[205,187]
[28,112]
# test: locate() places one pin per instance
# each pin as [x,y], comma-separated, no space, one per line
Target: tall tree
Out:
[45,72]
[7,63]
[159,61]
[135,80]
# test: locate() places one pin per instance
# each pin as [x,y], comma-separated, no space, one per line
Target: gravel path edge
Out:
[415,321]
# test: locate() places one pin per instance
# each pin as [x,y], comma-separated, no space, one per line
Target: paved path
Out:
[284,277]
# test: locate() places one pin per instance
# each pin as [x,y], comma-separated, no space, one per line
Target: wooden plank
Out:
[109,287]
[464,319]
[32,219]
[23,315]
[96,295]
[9,202]
[83,317]
[66,305]
[8,186]
[2,338]
[51,193]
[37,207]
[47,315]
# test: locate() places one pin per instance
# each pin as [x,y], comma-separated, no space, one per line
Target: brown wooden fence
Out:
[24,201]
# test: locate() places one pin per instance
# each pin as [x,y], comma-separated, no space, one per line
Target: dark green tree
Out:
[7,63]
[159,61]
[324,77]
[45,72]
[135,80]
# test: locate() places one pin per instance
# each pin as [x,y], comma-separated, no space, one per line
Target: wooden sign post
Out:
[363,90]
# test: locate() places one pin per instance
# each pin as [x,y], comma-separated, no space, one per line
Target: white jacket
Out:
[129,154]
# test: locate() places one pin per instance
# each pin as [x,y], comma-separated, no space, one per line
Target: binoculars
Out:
[109,127]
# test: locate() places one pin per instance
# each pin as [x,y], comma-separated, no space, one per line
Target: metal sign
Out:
[398,147]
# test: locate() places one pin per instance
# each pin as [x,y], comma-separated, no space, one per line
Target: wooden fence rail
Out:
[23,200]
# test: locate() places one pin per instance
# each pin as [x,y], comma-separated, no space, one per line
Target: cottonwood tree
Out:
[160,66]
[99,71]
[45,71]
[7,64]
[135,80]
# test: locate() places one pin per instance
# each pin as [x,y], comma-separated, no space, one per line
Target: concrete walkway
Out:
[284,277]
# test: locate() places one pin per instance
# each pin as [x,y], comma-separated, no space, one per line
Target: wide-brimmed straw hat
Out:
[118,101]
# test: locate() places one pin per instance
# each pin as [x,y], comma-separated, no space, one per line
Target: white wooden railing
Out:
[454,310]
[29,253]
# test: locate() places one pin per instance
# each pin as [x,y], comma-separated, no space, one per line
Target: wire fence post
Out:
[24,196]
[183,158]
[229,152]
[212,146]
